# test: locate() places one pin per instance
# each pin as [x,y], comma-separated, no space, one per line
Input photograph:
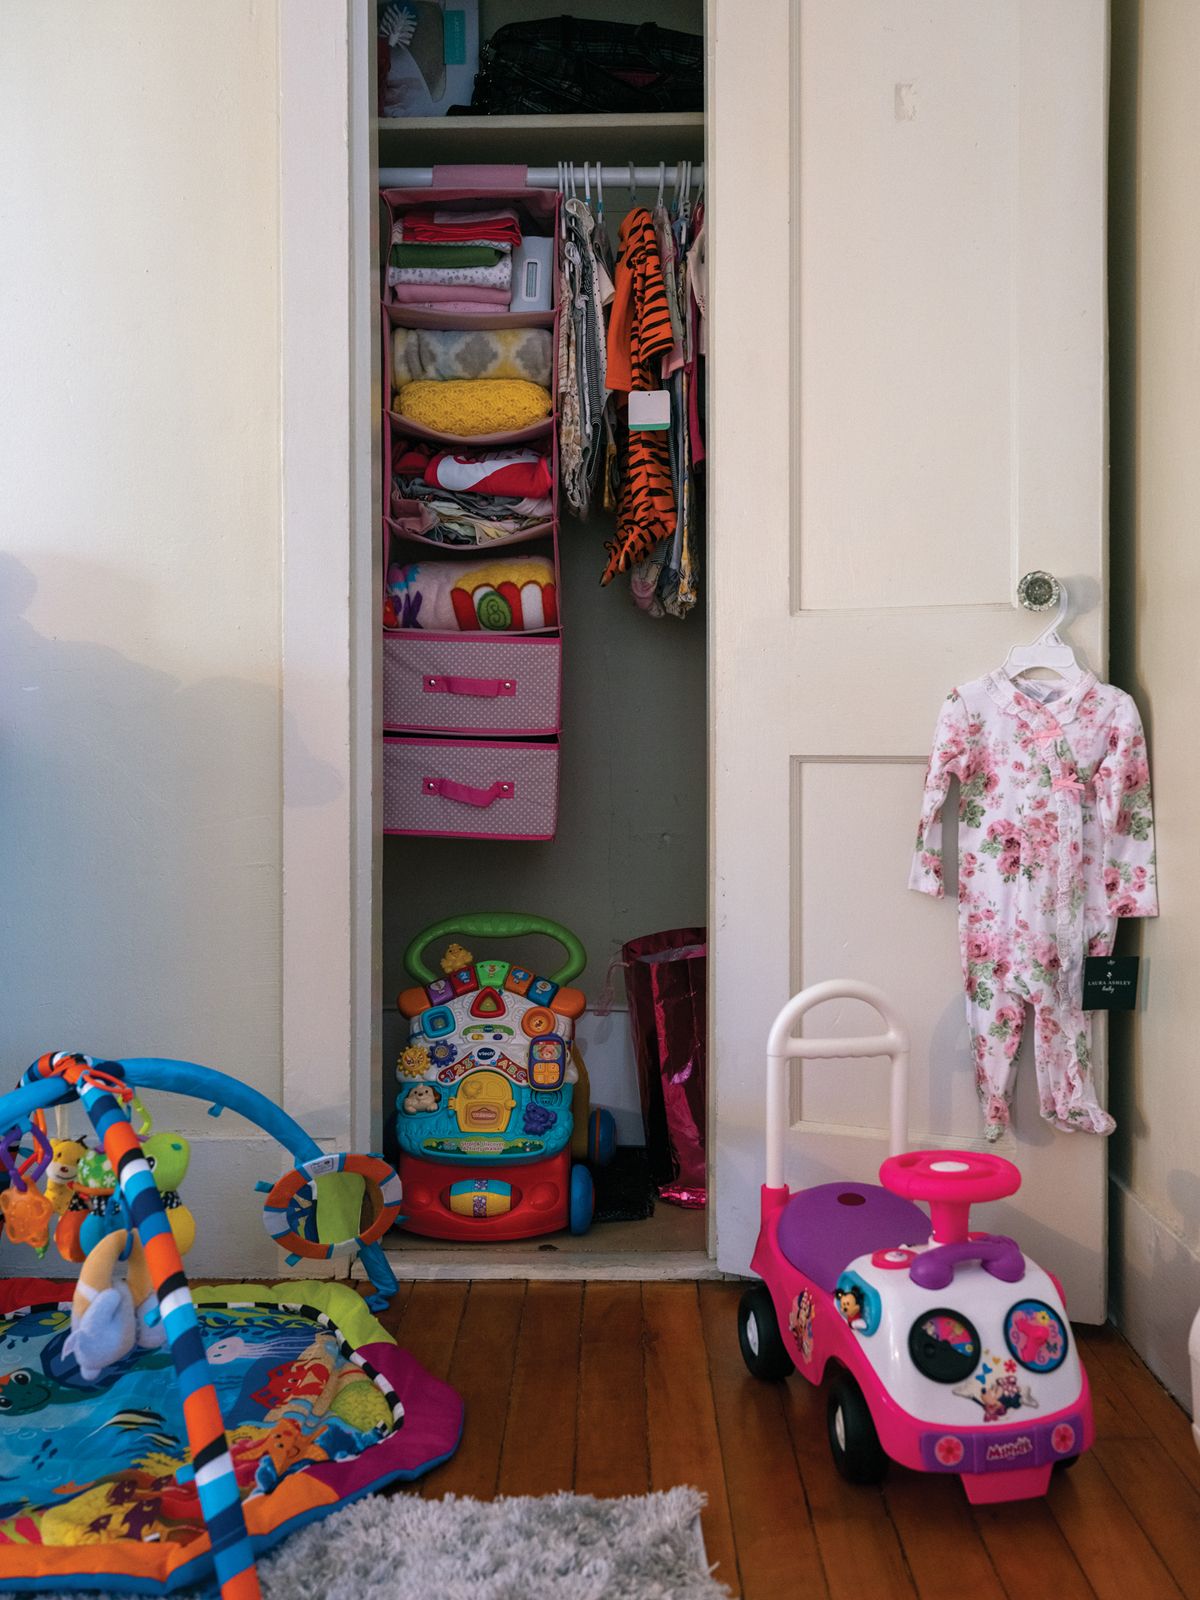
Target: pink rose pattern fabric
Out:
[1055,842]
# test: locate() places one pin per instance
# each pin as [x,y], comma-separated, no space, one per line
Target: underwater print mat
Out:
[320,1405]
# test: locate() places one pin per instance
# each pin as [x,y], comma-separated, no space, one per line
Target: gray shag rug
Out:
[557,1547]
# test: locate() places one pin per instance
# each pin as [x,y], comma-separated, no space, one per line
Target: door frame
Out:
[329,344]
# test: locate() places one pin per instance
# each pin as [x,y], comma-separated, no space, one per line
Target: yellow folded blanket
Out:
[467,406]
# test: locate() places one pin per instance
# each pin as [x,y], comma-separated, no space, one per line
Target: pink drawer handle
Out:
[482,688]
[449,790]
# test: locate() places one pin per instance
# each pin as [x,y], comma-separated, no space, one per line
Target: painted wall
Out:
[140,730]
[1155,247]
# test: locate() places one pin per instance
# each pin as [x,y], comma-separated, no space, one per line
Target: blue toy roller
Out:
[583,1200]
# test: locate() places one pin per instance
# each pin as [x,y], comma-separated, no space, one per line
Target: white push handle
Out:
[783,1046]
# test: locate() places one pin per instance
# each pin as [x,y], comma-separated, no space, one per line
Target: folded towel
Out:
[467,406]
[460,227]
[429,296]
[478,353]
[498,276]
[469,596]
[443,255]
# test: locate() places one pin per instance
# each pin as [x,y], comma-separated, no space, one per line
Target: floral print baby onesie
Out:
[1055,842]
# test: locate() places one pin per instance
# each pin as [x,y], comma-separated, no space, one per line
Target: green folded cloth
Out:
[443,255]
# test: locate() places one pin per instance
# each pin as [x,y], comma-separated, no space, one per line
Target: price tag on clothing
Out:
[1110,983]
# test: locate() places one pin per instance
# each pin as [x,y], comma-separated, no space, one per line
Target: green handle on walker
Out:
[496,925]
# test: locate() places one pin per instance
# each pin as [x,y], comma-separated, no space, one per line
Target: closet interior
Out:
[544,733]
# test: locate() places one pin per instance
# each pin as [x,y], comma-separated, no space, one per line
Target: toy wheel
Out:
[857,1453]
[583,1200]
[763,1350]
[602,1137]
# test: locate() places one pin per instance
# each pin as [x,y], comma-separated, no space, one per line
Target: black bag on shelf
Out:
[568,65]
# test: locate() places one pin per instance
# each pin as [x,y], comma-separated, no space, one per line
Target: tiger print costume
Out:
[639,332]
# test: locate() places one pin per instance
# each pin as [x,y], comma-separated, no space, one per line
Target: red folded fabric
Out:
[449,227]
[508,472]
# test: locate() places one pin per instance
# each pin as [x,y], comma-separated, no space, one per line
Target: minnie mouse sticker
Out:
[800,1323]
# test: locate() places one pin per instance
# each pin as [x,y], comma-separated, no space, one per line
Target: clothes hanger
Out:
[587,186]
[662,178]
[632,185]
[599,193]
[1048,650]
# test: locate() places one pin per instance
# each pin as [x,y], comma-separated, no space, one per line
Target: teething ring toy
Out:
[951,1181]
[281,1209]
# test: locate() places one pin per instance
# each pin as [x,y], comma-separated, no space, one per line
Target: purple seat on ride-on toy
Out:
[823,1229]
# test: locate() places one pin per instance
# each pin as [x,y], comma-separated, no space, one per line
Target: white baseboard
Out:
[1154,1288]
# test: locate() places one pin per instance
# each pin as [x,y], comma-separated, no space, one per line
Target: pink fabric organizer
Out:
[477,789]
[479,689]
[455,683]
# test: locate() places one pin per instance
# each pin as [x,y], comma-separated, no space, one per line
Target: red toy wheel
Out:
[958,1176]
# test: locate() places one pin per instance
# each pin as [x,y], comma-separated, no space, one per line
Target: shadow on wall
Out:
[139,850]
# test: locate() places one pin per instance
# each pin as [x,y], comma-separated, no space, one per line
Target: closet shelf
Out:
[537,140]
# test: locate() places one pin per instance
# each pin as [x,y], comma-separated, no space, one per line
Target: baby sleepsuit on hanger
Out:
[1055,842]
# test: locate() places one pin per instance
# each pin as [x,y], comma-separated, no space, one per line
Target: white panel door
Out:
[908,411]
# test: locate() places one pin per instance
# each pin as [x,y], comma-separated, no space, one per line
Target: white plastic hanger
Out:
[662,178]
[599,193]
[1048,650]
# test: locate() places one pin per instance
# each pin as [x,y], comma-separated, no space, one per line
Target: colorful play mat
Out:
[319,1402]
[154,1435]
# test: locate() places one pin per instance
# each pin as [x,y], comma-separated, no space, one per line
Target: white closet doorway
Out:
[906,409]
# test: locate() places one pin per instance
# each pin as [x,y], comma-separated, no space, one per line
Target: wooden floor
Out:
[617,1388]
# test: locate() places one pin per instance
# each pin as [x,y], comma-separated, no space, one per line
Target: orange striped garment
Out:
[639,332]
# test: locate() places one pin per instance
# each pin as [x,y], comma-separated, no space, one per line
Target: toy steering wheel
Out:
[496,925]
[951,1181]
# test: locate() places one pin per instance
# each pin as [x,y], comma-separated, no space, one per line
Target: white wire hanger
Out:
[1038,591]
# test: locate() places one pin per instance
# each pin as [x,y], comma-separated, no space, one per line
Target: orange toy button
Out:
[538,1021]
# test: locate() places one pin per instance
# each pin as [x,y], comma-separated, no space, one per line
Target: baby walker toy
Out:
[950,1351]
[494,1092]
[153,1435]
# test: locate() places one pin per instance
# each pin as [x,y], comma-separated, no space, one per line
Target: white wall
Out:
[140,730]
[1155,247]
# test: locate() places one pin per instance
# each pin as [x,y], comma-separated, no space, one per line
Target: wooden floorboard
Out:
[617,1388]
[685,1446]
[611,1443]
[538,1454]
[777,1552]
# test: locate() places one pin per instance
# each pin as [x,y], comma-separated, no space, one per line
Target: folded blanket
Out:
[498,276]
[479,353]
[467,406]
[452,297]
[460,227]
[443,255]
[468,596]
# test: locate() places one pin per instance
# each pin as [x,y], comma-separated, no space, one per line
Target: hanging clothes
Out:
[638,335]
[582,358]
[606,462]
[1055,843]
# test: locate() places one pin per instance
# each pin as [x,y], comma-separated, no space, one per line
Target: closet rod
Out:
[547,177]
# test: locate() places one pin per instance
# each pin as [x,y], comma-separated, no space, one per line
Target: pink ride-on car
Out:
[947,1350]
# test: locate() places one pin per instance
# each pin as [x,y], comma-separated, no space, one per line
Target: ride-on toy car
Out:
[948,1350]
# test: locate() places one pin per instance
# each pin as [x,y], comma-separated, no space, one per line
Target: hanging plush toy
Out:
[65,1156]
[167,1155]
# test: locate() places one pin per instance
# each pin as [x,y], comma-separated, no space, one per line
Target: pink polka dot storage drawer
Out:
[445,683]
[474,789]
